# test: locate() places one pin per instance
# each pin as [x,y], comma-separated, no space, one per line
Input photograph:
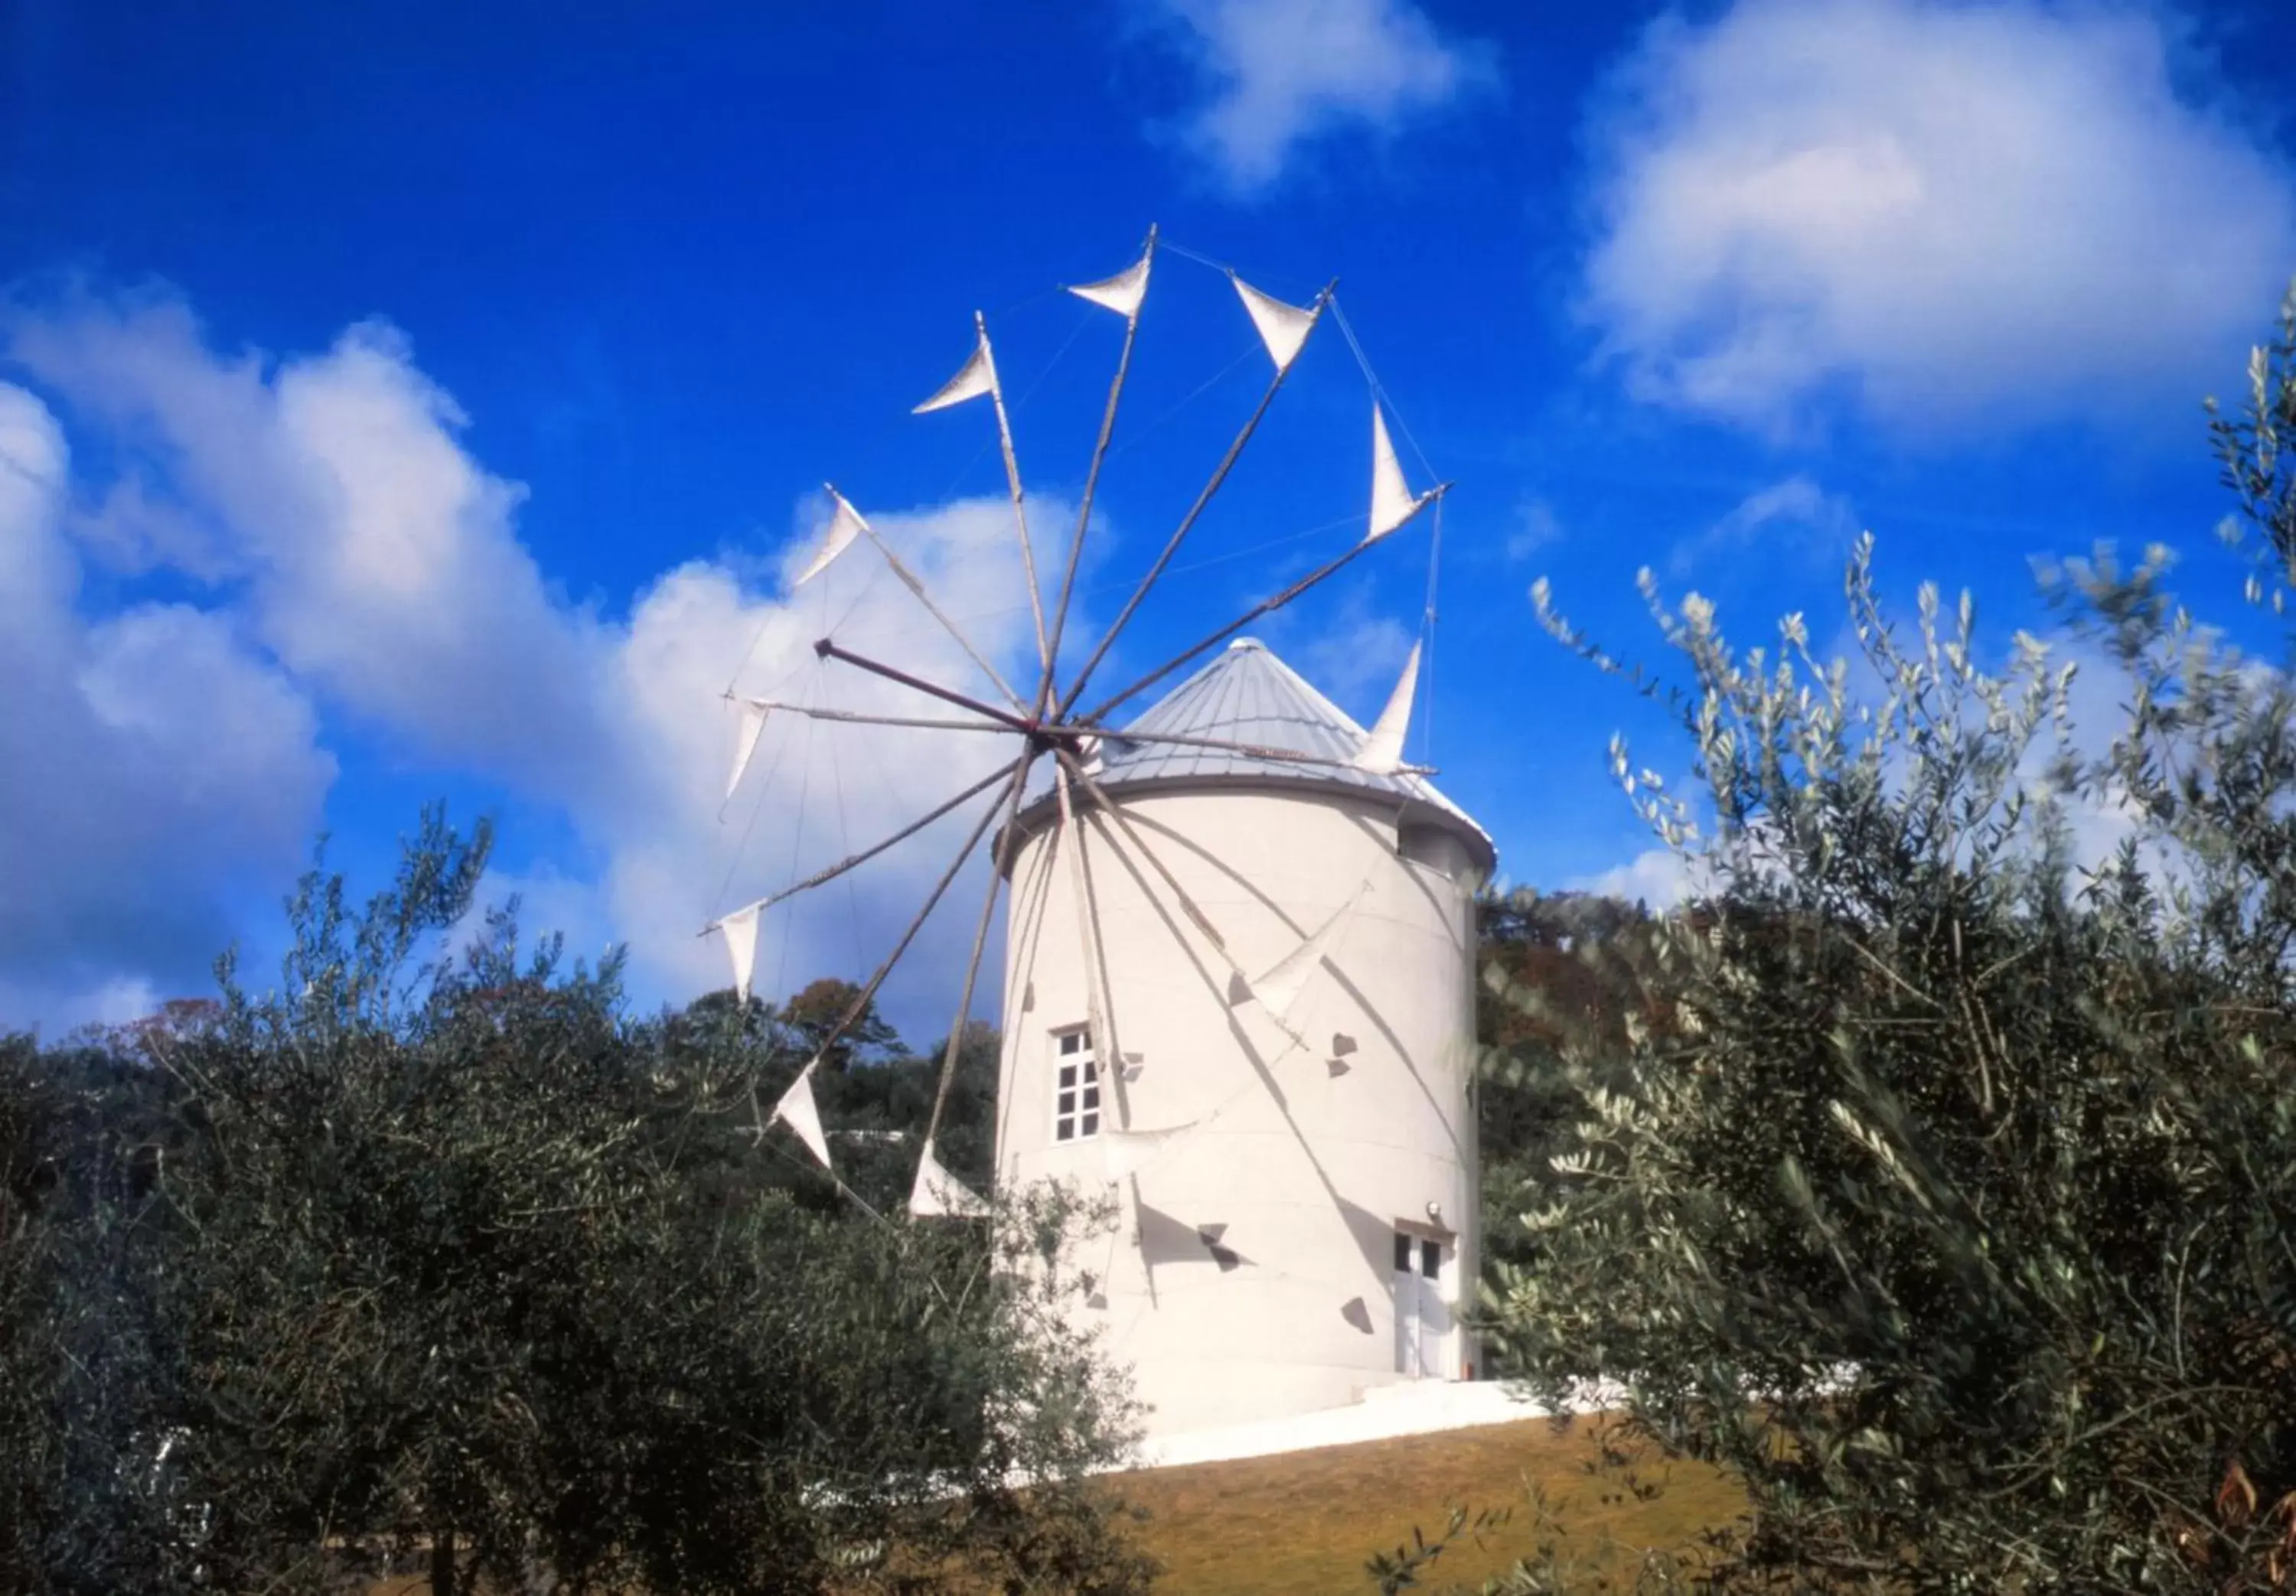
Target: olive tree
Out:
[1950,1208]
[454,1263]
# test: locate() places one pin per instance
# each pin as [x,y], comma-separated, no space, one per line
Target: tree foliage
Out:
[446,1259]
[1950,1208]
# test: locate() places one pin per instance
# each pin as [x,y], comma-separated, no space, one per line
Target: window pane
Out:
[1431,1258]
[1402,1252]
[1091,1069]
[1091,1123]
[1063,1130]
[1091,1097]
[1068,1076]
[1070,1041]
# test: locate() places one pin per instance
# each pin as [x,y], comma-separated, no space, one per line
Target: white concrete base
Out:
[1406,1408]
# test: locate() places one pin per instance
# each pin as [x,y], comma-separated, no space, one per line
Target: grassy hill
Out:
[1306,1522]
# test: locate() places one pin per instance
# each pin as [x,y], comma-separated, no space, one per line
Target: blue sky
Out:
[433,401]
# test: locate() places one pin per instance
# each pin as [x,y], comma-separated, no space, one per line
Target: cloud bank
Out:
[155,758]
[1954,214]
[340,552]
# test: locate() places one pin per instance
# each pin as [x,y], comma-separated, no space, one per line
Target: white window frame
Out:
[1076,1081]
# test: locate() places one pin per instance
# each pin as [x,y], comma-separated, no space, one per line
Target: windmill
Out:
[1238,924]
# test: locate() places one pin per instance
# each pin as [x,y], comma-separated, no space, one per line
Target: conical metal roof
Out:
[1247,695]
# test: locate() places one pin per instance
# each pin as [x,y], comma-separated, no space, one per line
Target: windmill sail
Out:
[1382,754]
[740,930]
[1280,987]
[938,1194]
[844,526]
[1392,502]
[1283,328]
[798,1111]
[1121,293]
[745,741]
[977,377]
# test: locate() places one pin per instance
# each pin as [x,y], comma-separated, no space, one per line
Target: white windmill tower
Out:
[1239,946]
[1240,985]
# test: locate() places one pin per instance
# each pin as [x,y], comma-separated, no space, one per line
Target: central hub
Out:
[1047,738]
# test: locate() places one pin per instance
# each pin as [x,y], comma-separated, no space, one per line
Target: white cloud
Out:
[1956,213]
[1352,657]
[1795,514]
[155,760]
[1536,526]
[344,527]
[382,562]
[1657,878]
[1279,74]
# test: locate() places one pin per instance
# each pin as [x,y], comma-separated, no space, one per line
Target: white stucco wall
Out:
[1309,1166]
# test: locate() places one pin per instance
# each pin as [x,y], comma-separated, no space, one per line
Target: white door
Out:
[1434,1313]
[1422,1319]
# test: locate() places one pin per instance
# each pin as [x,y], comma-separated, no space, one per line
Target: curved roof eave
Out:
[1407,807]
[1245,697]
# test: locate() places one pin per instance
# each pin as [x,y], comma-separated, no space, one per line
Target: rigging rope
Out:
[980,455]
[1427,632]
[1352,517]
[1379,389]
[797,837]
[845,845]
[757,807]
[1246,353]
[1426,695]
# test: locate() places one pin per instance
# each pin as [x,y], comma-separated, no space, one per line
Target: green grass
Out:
[1306,1522]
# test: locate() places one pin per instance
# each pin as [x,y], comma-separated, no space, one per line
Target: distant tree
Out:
[1950,1212]
[1556,967]
[817,1019]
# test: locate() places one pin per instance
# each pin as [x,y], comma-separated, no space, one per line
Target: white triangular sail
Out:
[1392,502]
[1121,293]
[844,526]
[745,741]
[1283,328]
[798,1111]
[977,377]
[740,930]
[1381,753]
[938,1194]
[1279,988]
[1127,1152]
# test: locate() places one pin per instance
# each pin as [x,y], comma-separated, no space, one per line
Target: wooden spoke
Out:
[1172,544]
[860,1004]
[1322,573]
[1020,505]
[1188,906]
[853,861]
[828,647]
[1090,484]
[973,964]
[856,717]
[915,584]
